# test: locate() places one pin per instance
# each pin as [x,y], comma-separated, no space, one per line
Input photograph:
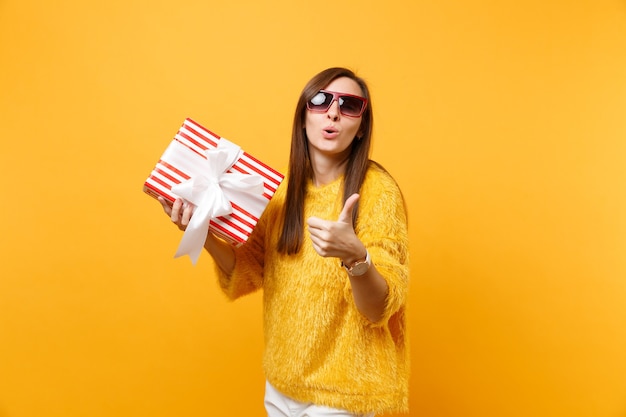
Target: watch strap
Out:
[350,268]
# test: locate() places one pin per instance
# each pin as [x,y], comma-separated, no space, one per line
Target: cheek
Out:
[356,129]
[309,123]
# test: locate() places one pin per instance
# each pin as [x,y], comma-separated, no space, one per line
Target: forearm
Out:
[370,293]
[222,253]
[368,290]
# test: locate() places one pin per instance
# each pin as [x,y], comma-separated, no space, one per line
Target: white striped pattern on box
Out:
[237,226]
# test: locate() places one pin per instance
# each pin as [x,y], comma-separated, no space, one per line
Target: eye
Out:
[318,99]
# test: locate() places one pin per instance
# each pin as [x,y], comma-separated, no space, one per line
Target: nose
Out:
[333,110]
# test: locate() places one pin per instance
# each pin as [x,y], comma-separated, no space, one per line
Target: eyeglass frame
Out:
[336,96]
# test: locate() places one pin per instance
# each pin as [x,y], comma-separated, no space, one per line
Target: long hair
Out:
[300,170]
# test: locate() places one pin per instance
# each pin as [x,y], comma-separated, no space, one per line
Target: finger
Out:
[315,222]
[348,208]
[166,205]
[316,248]
[187,213]
[317,235]
[177,208]
[316,242]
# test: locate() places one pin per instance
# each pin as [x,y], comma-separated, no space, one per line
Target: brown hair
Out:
[300,170]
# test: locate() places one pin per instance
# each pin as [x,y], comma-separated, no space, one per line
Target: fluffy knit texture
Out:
[318,347]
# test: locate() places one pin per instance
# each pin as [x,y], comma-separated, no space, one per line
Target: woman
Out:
[330,252]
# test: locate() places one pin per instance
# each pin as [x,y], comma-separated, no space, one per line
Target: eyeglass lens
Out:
[348,105]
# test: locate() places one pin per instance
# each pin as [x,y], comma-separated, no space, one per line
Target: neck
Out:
[327,169]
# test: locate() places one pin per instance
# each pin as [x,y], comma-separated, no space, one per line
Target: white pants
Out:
[279,405]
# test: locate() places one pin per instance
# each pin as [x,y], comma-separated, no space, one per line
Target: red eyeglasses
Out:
[349,105]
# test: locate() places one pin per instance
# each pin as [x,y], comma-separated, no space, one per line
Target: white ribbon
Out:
[209,191]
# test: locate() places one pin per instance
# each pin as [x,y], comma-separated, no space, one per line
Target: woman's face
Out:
[331,133]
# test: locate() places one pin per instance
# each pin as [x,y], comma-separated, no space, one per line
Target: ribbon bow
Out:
[209,191]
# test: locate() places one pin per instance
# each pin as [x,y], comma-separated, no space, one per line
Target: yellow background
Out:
[504,123]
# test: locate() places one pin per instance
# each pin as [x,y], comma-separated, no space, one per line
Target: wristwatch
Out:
[359,267]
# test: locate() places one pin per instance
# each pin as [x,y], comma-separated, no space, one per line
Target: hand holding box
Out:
[229,187]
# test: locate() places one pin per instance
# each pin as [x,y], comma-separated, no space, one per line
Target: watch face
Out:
[359,269]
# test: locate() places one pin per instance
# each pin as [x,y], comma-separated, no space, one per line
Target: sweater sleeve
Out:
[247,275]
[383,229]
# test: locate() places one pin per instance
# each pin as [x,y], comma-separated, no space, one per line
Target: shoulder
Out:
[380,191]
[381,205]
[379,181]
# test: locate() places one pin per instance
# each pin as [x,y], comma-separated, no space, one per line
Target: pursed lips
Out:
[330,132]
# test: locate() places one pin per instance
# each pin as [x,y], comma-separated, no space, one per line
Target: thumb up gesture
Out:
[337,238]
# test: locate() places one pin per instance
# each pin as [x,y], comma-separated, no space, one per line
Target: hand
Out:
[179,212]
[337,238]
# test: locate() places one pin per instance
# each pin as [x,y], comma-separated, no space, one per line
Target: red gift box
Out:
[183,160]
